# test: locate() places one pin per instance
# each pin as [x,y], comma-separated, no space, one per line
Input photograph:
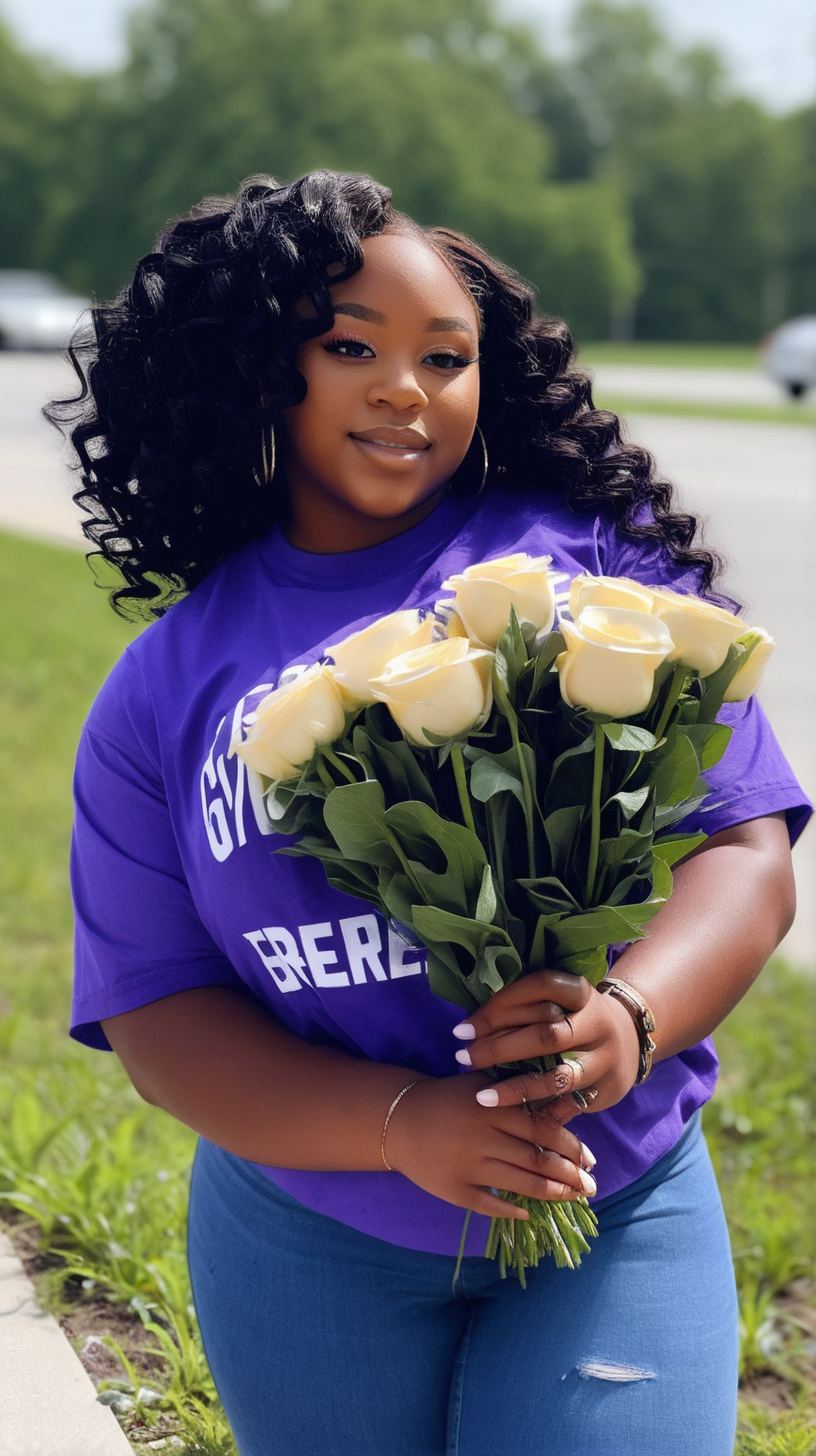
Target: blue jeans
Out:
[324,1341]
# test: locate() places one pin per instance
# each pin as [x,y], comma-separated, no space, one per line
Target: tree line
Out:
[630,183]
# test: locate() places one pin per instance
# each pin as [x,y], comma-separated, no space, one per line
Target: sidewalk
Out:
[48,1404]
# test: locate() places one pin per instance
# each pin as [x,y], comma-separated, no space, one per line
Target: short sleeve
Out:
[138,936]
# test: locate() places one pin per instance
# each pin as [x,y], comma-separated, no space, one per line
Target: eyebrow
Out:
[433,326]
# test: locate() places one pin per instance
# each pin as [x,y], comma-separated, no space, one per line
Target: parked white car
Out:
[790,355]
[36,310]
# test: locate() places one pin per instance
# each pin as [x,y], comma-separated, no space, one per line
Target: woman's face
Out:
[391,404]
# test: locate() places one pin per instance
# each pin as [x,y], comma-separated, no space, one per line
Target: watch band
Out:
[642,1017]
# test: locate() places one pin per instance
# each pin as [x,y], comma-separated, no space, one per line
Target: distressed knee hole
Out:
[609,1370]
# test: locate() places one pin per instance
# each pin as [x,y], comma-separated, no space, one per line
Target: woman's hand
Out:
[443,1140]
[546,1013]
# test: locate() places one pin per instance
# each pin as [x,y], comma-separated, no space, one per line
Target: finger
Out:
[533,1087]
[530,1183]
[534,1127]
[557,990]
[488,1202]
[519,1043]
[563,1109]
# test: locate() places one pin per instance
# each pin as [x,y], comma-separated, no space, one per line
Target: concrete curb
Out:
[48,1404]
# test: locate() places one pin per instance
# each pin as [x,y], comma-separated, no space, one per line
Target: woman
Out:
[305,412]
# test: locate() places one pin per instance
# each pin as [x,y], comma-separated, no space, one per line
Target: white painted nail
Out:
[465,1031]
[488,1097]
[589,1158]
[463,1057]
[588,1183]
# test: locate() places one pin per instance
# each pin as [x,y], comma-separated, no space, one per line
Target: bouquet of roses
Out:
[505,791]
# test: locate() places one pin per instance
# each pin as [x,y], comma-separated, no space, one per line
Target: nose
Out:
[398,387]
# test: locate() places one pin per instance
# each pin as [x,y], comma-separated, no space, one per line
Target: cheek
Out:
[461,405]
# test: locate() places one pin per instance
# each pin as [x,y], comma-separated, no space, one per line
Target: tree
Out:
[420,93]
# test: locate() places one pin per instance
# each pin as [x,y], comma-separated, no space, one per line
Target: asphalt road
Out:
[753,483]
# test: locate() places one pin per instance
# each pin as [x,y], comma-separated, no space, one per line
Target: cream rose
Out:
[444,687]
[701,632]
[363,655]
[608,591]
[485,592]
[745,682]
[290,722]
[611,659]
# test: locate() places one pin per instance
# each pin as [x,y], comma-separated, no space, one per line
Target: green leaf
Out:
[353,880]
[673,813]
[709,741]
[627,738]
[626,847]
[549,895]
[498,966]
[631,800]
[440,844]
[543,674]
[355,817]
[498,773]
[487,904]
[561,828]
[591,964]
[677,772]
[447,981]
[676,847]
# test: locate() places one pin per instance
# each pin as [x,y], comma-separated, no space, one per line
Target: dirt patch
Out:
[86,1318]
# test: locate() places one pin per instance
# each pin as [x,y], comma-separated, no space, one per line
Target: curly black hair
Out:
[184,370]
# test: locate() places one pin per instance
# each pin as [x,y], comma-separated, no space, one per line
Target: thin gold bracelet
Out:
[389,1114]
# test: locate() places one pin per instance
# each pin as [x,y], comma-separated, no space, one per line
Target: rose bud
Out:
[363,655]
[290,722]
[444,687]
[485,592]
[611,659]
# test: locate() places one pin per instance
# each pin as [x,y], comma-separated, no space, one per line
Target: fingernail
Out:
[588,1183]
[465,1031]
[589,1159]
[463,1057]
[488,1097]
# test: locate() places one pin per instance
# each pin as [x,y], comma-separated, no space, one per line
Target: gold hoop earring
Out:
[462,487]
[486,465]
[267,472]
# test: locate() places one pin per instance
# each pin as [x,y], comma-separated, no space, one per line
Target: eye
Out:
[449,359]
[349,348]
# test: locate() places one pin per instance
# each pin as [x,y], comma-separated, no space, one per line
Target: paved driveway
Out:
[754,483]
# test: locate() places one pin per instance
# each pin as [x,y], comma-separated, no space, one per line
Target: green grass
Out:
[781,414]
[94,1182]
[668,355]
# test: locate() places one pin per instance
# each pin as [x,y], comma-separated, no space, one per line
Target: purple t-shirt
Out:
[176,886]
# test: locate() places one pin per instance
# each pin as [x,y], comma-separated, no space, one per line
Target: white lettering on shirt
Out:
[317,959]
[363,942]
[359,936]
[280,955]
[224,780]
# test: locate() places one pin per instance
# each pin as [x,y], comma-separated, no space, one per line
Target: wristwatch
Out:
[642,1017]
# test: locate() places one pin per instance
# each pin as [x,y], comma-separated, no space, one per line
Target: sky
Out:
[770,45]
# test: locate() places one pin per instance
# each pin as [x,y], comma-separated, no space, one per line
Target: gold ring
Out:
[576,1062]
[590,1096]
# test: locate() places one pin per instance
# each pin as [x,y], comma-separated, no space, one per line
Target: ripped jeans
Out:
[326,1342]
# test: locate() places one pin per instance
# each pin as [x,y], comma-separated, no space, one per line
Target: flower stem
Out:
[337,762]
[675,689]
[461,786]
[528,797]
[595,813]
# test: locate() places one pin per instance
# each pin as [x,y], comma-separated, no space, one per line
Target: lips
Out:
[392,438]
